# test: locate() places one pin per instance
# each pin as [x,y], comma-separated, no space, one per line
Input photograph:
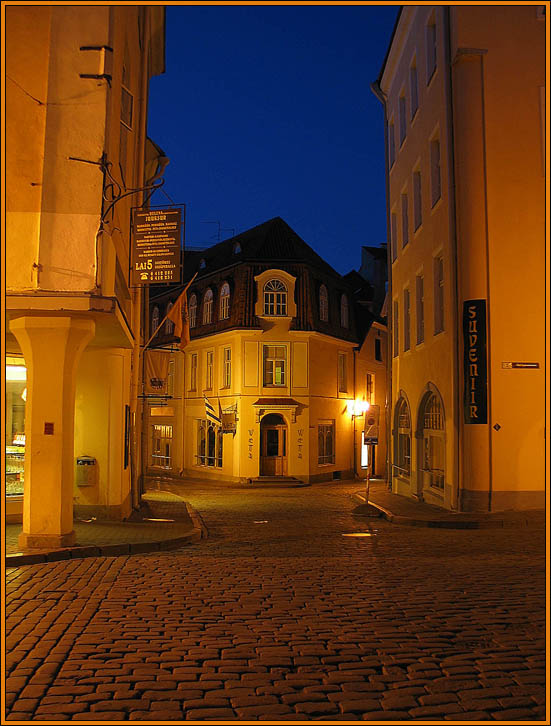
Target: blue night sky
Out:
[267,111]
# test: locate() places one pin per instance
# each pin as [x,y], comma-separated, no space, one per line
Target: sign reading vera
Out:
[156,246]
[475,366]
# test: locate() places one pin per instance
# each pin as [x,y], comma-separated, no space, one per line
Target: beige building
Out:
[463,90]
[76,152]
[281,345]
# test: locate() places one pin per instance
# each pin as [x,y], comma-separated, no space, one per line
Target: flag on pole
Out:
[211,414]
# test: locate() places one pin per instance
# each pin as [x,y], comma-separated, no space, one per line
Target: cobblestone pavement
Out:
[278,616]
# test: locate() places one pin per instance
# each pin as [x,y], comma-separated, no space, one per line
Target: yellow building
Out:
[463,89]
[76,98]
[281,347]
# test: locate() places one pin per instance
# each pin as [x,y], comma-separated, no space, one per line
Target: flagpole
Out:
[166,316]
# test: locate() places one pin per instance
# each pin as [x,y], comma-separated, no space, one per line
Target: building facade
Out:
[77,160]
[281,348]
[463,90]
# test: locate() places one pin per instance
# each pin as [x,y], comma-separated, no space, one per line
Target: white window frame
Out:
[324,303]
[226,380]
[208,301]
[225,301]
[275,298]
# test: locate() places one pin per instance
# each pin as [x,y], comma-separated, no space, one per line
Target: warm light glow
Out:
[24,394]
[19,440]
[357,534]
[357,407]
[16,373]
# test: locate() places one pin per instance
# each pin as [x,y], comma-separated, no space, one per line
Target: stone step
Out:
[277,481]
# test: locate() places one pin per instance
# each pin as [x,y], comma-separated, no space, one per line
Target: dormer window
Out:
[344,311]
[192,311]
[207,307]
[324,304]
[225,301]
[202,263]
[275,298]
[236,248]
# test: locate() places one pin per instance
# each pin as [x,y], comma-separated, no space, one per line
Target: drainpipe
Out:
[378,92]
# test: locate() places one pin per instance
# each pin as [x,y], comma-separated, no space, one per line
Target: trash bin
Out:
[86,475]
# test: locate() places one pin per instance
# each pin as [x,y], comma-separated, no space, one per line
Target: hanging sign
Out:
[475,367]
[156,246]
[371,425]
[156,372]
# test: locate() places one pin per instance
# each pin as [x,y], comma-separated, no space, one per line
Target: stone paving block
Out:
[62,708]
[360,705]
[385,716]
[101,716]
[435,710]
[248,712]
[436,699]
[513,714]
[201,714]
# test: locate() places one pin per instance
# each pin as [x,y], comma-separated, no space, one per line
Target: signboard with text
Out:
[371,425]
[156,246]
[475,366]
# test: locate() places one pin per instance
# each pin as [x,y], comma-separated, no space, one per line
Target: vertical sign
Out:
[156,246]
[475,367]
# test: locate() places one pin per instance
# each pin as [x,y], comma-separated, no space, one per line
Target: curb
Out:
[112,550]
[438,523]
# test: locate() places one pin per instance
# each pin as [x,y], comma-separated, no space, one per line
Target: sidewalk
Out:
[403,510]
[164,522]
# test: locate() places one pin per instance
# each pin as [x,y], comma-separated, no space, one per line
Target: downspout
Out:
[453,262]
[377,90]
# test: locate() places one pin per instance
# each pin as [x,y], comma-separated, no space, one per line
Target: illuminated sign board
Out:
[475,366]
[156,246]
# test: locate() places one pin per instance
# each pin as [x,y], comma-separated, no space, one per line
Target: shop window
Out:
[209,444]
[402,439]
[275,362]
[161,449]
[16,397]
[225,301]
[434,451]
[326,443]
[207,307]
[275,298]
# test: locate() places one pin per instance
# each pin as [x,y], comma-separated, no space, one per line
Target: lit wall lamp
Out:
[356,407]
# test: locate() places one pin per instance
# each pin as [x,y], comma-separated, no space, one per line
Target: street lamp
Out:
[356,407]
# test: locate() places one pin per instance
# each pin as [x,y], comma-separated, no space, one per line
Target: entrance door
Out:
[273,446]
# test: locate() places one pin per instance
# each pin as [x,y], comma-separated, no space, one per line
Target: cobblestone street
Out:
[278,616]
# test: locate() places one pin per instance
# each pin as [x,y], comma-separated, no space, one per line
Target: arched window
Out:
[207,307]
[154,319]
[324,303]
[434,450]
[402,439]
[275,298]
[236,248]
[344,311]
[169,325]
[225,301]
[192,311]
[202,263]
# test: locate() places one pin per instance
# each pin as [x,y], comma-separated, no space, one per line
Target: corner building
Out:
[276,342]
[463,91]
[77,159]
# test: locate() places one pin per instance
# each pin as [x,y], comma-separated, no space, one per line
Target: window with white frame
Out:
[193,372]
[405,220]
[395,329]
[207,307]
[275,364]
[402,439]
[342,373]
[324,303]
[434,450]
[438,294]
[225,301]
[209,370]
[407,320]
[435,178]
[192,311]
[161,446]
[402,117]
[420,307]
[344,311]
[414,88]
[275,298]
[431,48]
[326,442]
[226,375]
[417,201]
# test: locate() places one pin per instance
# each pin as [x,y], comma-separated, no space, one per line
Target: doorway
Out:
[273,445]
